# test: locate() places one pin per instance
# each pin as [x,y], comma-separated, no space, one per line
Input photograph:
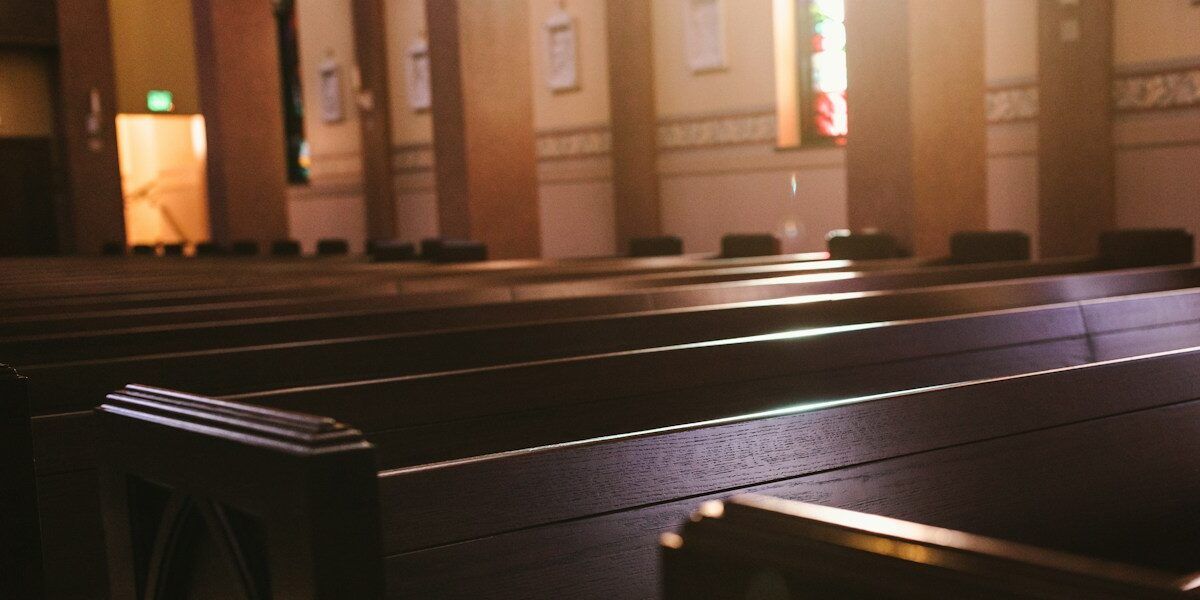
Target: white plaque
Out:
[332,107]
[704,35]
[562,67]
[417,76]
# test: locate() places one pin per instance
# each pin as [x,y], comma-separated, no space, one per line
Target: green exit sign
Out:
[160,101]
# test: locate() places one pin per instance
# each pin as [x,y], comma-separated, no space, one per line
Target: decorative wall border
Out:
[583,142]
[688,133]
[1012,104]
[1157,90]
[1138,91]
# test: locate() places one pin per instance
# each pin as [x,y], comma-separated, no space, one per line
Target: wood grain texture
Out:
[1048,488]
[543,561]
[1075,153]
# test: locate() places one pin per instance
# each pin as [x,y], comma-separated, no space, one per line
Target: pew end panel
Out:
[20,535]
[754,546]
[204,498]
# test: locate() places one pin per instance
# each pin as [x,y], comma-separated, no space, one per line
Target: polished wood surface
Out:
[490,524]
[756,544]
[536,377]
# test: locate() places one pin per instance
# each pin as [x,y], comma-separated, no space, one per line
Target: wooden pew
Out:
[89,277]
[622,297]
[64,489]
[576,519]
[431,291]
[762,547]
[67,386]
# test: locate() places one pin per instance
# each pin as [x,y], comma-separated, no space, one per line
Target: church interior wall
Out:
[1156,62]
[331,205]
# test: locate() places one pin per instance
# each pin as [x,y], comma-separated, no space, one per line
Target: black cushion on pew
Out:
[391,250]
[1127,248]
[172,249]
[663,245]
[285,248]
[741,245]
[862,246]
[988,246]
[144,250]
[332,247]
[209,249]
[113,249]
[449,251]
[245,248]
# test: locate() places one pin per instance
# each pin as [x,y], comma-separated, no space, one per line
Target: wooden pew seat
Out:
[755,546]
[580,519]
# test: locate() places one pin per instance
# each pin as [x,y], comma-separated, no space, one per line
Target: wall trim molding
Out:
[412,158]
[1012,104]
[734,129]
[573,143]
[1167,85]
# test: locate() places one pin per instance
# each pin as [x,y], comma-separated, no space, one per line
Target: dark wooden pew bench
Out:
[756,546]
[581,519]
[503,408]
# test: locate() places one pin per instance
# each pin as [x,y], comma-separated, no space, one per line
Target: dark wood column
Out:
[370,46]
[237,60]
[634,121]
[1075,150]
[87,96]
[916,152]
[484,152]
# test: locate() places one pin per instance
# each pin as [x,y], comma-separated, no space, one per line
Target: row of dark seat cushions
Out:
[1124,248]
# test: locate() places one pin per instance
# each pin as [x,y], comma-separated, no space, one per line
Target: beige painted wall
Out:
[332,205]
[416,200]
[1010,41]
[575,196]
[1157,151]
[746,84]
[26,108]
[587,105]
[1155,31]
[154,48]
[1010,58]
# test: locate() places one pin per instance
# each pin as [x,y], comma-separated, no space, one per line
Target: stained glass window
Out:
[827,109]
[810,72]
[828,68]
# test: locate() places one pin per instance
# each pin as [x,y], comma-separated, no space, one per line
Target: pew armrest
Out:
[20,535]
[206,498]
[757,546]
